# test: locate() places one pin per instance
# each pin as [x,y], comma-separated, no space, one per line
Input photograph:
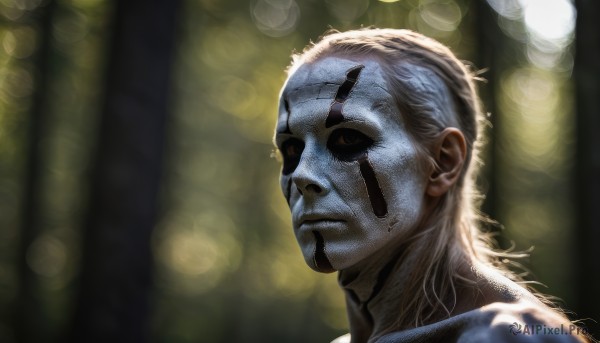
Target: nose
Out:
[308,178]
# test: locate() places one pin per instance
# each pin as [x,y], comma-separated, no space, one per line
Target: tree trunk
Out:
[116,271]
[29,322]
[490,47]
[587,83]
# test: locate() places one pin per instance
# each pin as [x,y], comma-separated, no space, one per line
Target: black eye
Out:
[348,144]
[291,150]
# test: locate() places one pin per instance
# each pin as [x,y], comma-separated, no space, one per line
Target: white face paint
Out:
[350,171]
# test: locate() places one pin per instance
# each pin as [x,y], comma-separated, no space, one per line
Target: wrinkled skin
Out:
[355,189]
[353,184]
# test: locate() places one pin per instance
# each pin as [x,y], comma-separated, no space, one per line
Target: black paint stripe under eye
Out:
[374,191]
[335,115]
[320,258]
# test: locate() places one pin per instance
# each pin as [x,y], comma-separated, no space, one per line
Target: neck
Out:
[367,299]
[381,288]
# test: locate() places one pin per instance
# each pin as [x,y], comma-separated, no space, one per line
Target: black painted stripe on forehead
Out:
[374,191]
[346,87]
[335,115]
[319,257]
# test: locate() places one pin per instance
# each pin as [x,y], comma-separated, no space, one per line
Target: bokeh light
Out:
[547,27]
[550,22]
[441,15]
[20,42]
[536,140]
[199,250]
[16,83]
[347,11]
[47,256]
[227,265]
[507,8]
[276,18]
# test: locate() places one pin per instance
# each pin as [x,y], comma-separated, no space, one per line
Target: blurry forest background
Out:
[138,199]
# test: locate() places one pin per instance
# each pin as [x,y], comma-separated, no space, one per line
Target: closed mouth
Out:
[320,221]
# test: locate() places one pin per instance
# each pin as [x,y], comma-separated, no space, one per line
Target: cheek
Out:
[403,185]
[356,183]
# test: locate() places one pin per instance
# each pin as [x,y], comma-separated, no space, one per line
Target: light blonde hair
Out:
[452,237]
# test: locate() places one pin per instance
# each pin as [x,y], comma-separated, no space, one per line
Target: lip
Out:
[315,219]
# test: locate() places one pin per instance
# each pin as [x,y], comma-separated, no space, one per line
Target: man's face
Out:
[350,172]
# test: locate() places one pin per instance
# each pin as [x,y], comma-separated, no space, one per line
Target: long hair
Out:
[450,237]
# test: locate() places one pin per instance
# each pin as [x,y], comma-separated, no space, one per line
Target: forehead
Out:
[321,80]
[312,88]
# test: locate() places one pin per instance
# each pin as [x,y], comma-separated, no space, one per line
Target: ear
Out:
[449,151]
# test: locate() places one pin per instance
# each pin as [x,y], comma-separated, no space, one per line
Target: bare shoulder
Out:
[522,321]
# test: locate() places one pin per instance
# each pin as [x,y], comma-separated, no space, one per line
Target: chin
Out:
[324,270]
[337,262]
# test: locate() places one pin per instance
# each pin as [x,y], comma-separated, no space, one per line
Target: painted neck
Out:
[371,288]
[381,288]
